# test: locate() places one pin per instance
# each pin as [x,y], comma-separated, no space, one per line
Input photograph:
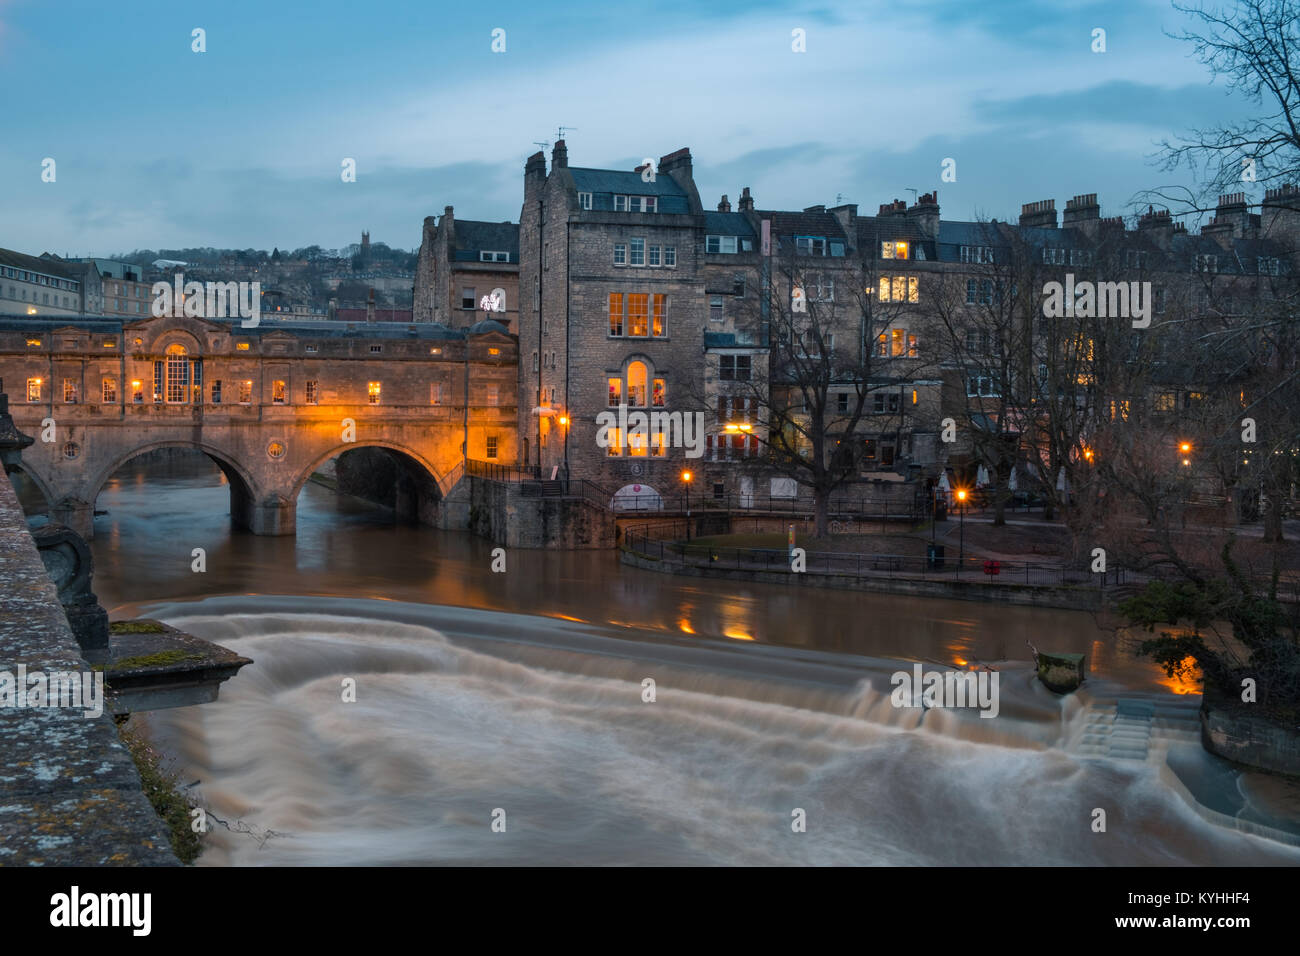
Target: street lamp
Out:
[686,495]
[961,498]
[1186,448]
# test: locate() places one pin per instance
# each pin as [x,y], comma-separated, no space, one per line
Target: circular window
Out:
[71,450]
[276,449]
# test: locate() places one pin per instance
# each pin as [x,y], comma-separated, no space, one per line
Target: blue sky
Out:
[158,146]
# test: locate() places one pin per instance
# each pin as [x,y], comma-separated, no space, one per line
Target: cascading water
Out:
[547,723]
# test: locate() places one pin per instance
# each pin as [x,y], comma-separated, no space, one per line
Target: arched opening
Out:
[33,497]
[384,476]
[169,481]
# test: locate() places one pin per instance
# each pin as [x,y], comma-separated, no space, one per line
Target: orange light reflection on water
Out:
[1183,685]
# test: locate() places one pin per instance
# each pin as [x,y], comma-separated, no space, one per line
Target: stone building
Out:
[462,262]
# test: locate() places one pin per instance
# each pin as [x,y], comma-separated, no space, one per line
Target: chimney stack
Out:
[1041,213]
[746,200]
[724,205]
[559,155]
[926,215]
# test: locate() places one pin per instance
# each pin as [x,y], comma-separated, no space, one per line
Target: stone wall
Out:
[1231,731]
[501,513]
[69,792]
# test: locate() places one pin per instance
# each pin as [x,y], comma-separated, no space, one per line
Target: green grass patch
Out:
[172,804]
[159,659]
[136,627]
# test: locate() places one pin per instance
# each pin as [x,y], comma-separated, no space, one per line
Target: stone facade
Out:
[269,404]
[461,262]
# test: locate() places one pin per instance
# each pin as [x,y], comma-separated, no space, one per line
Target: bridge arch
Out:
[416,492]
[244,490]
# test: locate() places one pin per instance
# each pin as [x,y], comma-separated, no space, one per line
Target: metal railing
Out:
[665,543]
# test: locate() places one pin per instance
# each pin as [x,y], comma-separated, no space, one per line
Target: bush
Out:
[172,804]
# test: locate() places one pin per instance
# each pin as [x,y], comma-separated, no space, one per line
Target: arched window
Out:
[178,374]
[636,383]
[499,300]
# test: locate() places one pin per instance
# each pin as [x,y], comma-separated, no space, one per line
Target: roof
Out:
[51,267]
[474,236]
[727,224]
[486,326]
[303,327]
[804,224]
[604,184]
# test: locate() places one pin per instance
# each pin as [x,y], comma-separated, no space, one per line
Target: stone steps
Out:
[1127,728]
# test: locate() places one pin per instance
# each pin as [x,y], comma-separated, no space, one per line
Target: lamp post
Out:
[686,496]
[961,498]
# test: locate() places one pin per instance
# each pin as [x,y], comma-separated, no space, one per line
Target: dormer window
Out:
[494,257]
[893,250]
[1207,263]
[720,244]
[636,204]
[584,200]
[810,245]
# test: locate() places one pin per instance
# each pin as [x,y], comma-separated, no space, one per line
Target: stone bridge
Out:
[268,404]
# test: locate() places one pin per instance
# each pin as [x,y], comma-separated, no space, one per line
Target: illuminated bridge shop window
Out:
[372,389]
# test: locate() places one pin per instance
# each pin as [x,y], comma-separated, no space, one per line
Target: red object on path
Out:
[992,567]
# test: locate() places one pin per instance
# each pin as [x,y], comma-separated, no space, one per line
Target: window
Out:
[1268,266]
[1053,257]
[1165,402]
[670,255]
[979,341]
[70,391]
[734,368]
[1080,257]
[655,255]
[882,345]
[435,393]
[981,386]
[898,289]
[178,375]
[615,392]
[535,366]
[982,255]
[898,343]
[309,348]
[715,309]
[277,392]
[824,288]
[1206,263]
[467,300]
[615,313]
[620,254]
[893,250]
[637,253]
[584,200]
[620,204]
[486,256]
[842,403]
[658,393]
[246,392]
[372,390]
[810,245]
[33,390]
[493,394]
[636,383]
[837,247]
[375,349]
[33,343]
[720,244]
[615,447]
[636,441]
[636,204]
[883,402]
[108,390]
[657,443]
[657,327]
[216,392]
[636,313]
[137,391]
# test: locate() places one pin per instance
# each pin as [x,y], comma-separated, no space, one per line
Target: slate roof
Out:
[473,237]
[728,224]
[603,184]
[304,327]
[51,267]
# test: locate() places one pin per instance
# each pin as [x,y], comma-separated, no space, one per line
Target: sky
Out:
[242,145]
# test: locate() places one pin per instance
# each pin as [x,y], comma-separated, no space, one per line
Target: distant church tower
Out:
[365,243]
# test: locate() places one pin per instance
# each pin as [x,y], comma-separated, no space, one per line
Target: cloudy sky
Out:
[157,146]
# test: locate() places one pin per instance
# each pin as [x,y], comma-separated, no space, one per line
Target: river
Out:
[520,698]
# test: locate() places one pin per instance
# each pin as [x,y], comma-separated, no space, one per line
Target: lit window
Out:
[108,390]
[658,394]
[277,392]
[494,351]
[70,391]
[636,382]
[898,289]
[178,375]
[34,343]
[372,389]
[435,393]
[33,390]
[893,250]
[636,313]
[615,314]
[246,392]
[137,391]
[240,346]
[615,447]
[615,392]
[657,326]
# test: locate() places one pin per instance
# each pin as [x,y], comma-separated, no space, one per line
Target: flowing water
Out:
[520,698]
